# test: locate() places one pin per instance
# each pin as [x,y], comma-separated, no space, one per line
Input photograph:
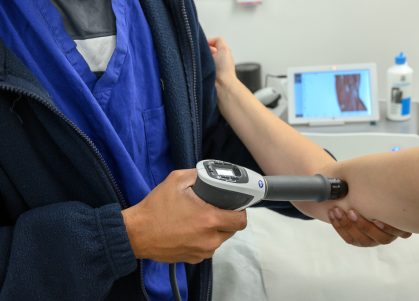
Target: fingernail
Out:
[379,224]
[352,216]
[331,215]
[338,213]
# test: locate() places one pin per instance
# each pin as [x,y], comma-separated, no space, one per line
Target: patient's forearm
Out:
[384,187]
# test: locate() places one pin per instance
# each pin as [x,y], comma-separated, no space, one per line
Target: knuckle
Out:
[209,255]
[174,175]
[216,243]
[226,237]
[205,254]
[210,245]
[242,223]
[367,243]
[385,240]
[350,241]
[195,260]
[211,219]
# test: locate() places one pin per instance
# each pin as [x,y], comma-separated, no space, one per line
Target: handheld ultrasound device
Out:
[229,186]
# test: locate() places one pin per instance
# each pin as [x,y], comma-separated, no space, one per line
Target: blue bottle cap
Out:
[400,59]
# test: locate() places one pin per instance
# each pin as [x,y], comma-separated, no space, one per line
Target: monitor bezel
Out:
[375,112]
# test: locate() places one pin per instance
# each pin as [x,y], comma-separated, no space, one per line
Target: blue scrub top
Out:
[122,111]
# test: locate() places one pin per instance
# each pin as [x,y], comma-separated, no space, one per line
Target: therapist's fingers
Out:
[371,229]
[348,231]
[340,228]
[380,232]
[391,230]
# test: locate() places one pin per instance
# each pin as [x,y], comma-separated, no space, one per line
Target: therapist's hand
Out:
[172,224]
[358,231]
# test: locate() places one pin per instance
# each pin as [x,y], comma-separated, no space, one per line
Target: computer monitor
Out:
[332,94]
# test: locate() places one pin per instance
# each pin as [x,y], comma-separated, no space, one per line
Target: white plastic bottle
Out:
[399,80]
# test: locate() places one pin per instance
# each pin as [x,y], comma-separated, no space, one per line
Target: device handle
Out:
[221,198]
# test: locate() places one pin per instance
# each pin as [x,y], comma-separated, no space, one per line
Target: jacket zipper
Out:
[198,126]
[82,135]
[194,72]
[92,146]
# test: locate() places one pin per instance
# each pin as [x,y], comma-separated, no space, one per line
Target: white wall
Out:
[285,33]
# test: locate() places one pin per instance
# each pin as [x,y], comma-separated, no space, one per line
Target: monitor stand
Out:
[323,123]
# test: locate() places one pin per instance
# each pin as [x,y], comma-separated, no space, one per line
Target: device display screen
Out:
[336,93]
[224,172]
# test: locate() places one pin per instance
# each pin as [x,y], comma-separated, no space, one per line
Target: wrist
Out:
[225,83]
[135,223]
[227,90]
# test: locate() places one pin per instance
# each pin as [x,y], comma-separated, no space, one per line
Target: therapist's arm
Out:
[277,147]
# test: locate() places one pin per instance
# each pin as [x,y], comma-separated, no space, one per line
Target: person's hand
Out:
[172,224]
[358,231]
[224,62]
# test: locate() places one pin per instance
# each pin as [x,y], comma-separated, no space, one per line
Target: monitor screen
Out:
[332,93]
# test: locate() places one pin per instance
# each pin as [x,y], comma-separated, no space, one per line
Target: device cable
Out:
[173,282]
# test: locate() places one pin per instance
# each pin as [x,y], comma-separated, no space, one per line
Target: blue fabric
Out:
[122,111]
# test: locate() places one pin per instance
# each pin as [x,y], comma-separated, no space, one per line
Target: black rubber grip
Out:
[292,188]
[221,198]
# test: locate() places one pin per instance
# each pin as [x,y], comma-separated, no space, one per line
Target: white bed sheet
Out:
[280,258]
